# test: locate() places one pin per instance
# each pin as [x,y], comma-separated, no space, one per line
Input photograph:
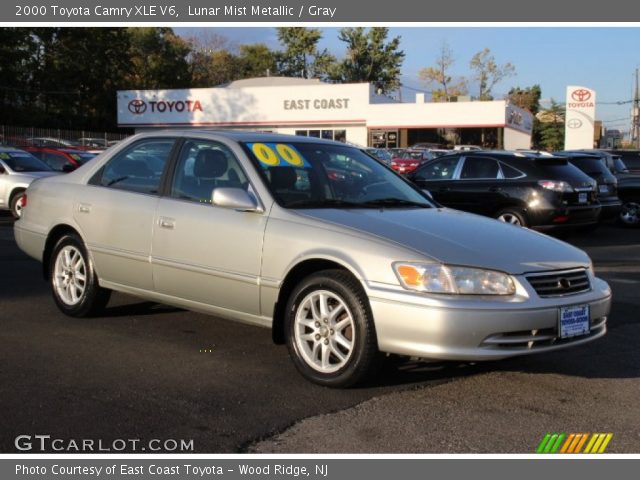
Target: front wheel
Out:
[73,280]
[330,332]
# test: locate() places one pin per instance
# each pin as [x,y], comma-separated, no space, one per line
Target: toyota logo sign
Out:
[581,95]
[137,106]
[574,123]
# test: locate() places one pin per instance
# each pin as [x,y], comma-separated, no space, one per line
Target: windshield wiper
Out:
[395,202]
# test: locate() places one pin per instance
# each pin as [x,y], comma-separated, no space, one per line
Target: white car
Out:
[17,170]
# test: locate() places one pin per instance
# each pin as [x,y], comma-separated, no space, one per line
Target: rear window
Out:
[594,167]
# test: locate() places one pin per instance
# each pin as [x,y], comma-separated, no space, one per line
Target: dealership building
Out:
[352,112]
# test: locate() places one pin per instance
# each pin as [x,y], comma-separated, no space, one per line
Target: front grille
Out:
[557,284]
[533,339]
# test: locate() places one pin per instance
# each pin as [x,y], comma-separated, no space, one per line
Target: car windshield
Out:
[307,175]
[380,154]
[594,167]
[23,162]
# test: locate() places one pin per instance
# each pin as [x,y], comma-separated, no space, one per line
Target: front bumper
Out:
[476,329]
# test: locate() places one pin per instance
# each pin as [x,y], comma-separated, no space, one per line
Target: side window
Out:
[479,168]
[55,161]
[438,170]
[510,172]
[204,166]
[138,168]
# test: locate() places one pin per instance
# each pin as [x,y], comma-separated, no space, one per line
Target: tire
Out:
[513,216]
[338,350]
[629,215]
[16,204]
[73,280]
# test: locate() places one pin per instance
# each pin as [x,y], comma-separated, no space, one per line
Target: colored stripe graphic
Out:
[574,443]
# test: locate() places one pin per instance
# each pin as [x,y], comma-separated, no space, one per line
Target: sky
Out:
[602,58]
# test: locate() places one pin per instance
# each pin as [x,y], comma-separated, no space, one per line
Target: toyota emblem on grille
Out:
[564,283]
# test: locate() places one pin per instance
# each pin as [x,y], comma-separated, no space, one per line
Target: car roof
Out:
[240,136]
[11,149]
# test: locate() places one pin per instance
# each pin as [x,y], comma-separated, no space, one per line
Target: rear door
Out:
[117,210]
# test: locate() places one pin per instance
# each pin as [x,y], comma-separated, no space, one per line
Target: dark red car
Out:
[61,159]
[409,160]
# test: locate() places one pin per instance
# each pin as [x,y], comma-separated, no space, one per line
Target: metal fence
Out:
[23,136]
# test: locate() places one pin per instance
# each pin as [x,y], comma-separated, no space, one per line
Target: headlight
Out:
[556,185]
[435,278]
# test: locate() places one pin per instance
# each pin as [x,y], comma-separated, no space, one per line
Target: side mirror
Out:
[235,198]
[67,168]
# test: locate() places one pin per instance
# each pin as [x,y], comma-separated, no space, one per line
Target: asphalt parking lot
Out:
[147,371]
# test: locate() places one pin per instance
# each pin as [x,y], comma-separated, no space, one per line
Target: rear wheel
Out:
[73,280]
[630,213]
[17,202]
[512,216]
[330,332]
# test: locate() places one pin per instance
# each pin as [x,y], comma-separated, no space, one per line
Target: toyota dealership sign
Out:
[579,119]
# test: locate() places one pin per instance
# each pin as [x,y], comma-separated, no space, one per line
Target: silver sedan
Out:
[342,258]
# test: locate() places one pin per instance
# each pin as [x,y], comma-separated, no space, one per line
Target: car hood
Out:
[458,238]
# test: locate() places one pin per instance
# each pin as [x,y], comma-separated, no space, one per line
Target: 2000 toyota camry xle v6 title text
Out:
[343,258]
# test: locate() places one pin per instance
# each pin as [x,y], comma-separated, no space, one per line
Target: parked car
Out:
[628,186]
[409,160]
[380,154]
[522,189]
[17,170]
[94,142]
[51,142]
[61,159]
[466,148]
[631,158]
[593,166]
[339,275]
[426,146]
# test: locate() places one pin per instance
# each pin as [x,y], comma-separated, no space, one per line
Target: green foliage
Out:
[370,58]
[552,127]
[301,56]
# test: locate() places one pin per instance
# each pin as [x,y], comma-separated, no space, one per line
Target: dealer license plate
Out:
[574,321]
[582,198]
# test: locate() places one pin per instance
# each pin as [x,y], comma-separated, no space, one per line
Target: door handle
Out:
[168,223]
[444,189]
[84,208]
[495,189]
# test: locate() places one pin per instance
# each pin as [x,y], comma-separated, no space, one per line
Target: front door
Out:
[201,252]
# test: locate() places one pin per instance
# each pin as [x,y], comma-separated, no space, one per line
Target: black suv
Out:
[628,183]
[541,192]
[592,165]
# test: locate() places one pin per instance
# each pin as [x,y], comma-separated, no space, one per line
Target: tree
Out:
[488,73]
[370,58]
[257,61]
[552,127]
[158,58]
[301,56]
[439,75]
[527,98]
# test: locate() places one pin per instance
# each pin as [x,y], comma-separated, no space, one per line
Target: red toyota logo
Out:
[137,106]
[581,95]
